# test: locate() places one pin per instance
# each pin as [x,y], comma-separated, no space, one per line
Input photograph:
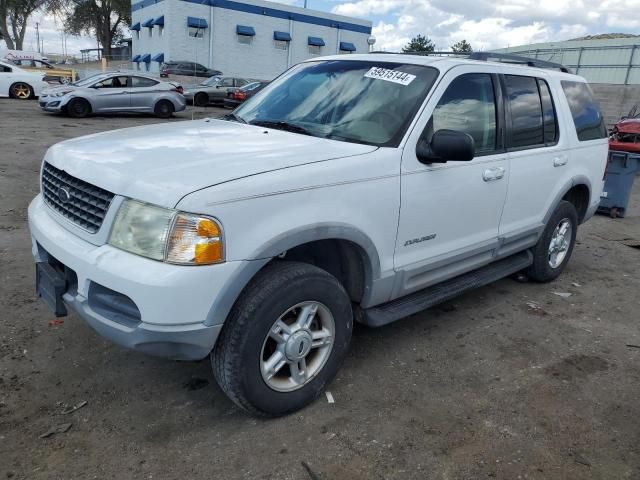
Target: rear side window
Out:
[548,114]
[526,112]
[140,82]
[585,111]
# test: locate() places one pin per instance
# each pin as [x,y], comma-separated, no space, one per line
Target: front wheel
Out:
[553,250]
[284,339]
[201,99]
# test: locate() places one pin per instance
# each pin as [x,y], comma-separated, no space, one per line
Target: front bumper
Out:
[174,307]
[50,104]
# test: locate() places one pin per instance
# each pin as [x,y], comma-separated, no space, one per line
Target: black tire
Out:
[21,91]
[164,109]
[236,358]
[78,108]
[542,270]
[201,99]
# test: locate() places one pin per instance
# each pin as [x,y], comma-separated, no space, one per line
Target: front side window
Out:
[5,69]
[526,112]
[585,111]
[113,82]
[354,101]
[468,105]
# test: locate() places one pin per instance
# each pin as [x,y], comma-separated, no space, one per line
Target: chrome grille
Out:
[86,205]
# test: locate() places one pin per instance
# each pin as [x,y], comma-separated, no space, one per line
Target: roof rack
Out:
[517,59]
[492,56]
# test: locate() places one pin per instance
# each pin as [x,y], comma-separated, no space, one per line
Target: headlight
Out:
[63,93]
[167,235]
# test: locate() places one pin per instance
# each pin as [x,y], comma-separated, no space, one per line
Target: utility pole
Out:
[305,3]
[38,36]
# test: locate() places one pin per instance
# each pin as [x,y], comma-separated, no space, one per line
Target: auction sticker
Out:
[387,75]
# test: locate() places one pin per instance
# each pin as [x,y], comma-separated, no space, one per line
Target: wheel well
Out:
[80,99]
[343,259]
[579,197]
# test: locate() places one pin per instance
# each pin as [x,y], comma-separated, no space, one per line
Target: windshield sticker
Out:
[387,75]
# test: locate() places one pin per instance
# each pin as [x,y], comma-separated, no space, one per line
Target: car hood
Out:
[162,163]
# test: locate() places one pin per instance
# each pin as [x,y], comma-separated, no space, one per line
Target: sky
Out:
[486,24]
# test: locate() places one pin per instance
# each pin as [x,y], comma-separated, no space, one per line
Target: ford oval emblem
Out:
[64,195]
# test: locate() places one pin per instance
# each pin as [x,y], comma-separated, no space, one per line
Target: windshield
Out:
[211,81]
[355,101]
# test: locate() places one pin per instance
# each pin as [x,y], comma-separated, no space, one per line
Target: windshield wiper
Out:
[281,125]
[234,118]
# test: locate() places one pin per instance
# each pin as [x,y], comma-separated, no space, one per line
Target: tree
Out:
[462,47]
[14,15]
[103,19]
[419,43]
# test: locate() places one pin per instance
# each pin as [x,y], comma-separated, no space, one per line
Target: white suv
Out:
[365,188]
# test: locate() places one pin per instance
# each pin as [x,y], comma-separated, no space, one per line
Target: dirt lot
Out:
[509,382]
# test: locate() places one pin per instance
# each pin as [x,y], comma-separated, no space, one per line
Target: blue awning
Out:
[245,30]
[159,21]
[197,22]
[135,26]
[148,23]
[282,36]
[158,58]
[316,41]
[145,58]
[347,47]
[136,59]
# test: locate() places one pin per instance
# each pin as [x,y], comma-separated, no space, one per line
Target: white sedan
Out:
[18,83]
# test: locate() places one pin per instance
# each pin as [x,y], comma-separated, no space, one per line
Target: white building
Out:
[250,38]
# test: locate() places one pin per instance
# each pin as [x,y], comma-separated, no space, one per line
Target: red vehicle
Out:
[625,135]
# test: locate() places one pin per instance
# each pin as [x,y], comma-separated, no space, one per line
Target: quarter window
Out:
[5,69]
[526,111]
[585,111]
[468,105]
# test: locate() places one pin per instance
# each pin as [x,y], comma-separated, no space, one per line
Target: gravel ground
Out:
[510,381]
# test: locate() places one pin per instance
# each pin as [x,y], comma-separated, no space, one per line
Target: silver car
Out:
[213,90]
[115,92]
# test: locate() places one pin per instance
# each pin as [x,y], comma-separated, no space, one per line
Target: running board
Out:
[418,301]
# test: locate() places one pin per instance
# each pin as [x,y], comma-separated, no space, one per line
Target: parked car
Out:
[190,69]
[52,73]
[239,95]
[212,90]
[625,135]
[18,83]
[115,92]
[363,189]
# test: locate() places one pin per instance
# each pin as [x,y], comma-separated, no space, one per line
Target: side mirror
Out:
[445,146]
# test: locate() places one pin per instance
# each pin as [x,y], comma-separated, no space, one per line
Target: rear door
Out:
[111,94]
[538,157]
[143,93]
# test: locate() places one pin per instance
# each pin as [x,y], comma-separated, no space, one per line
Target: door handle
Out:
[560,161]
[493,174]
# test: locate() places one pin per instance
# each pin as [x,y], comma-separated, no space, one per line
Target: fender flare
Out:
[280,244]
[577,180]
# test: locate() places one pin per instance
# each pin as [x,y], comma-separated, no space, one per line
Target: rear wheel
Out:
[21,91]
[552,252]
[164,109]
[201,100]
[78,108]
[284,339]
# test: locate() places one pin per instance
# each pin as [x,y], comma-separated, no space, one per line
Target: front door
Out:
[111,94]
[450,212]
